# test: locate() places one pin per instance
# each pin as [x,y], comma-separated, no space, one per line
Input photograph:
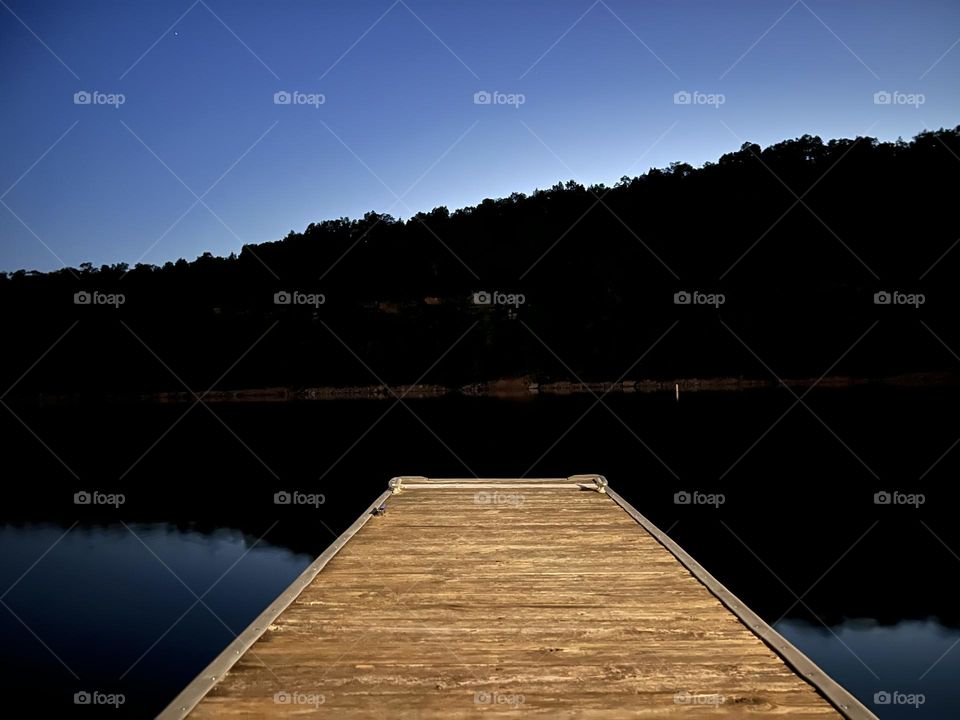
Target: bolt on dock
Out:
[449,598]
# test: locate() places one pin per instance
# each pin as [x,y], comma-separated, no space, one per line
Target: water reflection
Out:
[139,609]
[799,519]
[904,670]
[136,610]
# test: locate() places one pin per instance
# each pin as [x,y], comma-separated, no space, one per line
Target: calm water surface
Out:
[136,599]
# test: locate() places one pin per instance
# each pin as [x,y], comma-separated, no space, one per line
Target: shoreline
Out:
[506,389]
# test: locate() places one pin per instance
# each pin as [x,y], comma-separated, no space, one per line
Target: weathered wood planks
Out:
[532,599]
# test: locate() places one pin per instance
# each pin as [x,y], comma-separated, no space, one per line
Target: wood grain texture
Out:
[548,602]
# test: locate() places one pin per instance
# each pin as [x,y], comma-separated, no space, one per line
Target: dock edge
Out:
[188,698]
[837,695]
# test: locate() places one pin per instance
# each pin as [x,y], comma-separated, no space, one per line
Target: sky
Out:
[146,131]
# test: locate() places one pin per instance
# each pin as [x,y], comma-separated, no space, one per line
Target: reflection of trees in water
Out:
[881,586]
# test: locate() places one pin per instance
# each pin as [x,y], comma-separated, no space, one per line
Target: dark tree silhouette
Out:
[798,237]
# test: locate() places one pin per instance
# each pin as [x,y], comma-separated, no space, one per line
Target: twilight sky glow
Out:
[199,156]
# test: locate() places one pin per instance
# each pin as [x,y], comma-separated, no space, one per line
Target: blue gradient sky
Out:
[399,80]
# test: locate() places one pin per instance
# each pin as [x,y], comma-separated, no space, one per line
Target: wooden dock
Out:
[547,598]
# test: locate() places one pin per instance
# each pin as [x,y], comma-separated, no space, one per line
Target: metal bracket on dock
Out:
[396,484]
[599,481]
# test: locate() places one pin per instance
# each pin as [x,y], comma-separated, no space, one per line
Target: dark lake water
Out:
[135,599]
